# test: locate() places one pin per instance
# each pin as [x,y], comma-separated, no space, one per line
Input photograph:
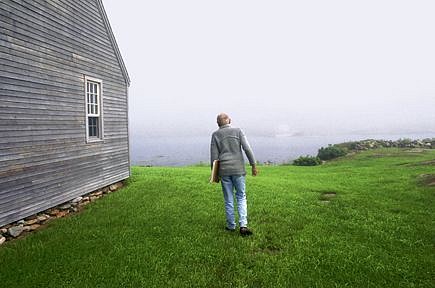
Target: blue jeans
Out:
[228,185]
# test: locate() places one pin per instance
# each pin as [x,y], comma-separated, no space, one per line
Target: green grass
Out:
[166,229]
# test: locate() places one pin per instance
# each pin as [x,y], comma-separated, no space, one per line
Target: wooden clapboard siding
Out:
[47,48]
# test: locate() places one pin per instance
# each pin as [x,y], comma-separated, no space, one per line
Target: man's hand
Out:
[254,170]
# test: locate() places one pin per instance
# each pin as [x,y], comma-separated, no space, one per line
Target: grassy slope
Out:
[165,229]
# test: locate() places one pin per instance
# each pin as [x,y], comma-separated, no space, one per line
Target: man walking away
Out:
[226,146]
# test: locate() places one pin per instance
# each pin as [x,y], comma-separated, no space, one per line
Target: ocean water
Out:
[181,151]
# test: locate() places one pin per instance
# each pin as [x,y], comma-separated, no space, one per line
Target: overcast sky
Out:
[278,66]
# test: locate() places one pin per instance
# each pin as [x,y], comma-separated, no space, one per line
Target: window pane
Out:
[97,128]
[91,130]
[93,126]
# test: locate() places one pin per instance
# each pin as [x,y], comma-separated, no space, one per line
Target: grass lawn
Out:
[166,229]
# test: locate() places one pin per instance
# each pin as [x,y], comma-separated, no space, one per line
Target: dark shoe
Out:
[229,229]
[244,231]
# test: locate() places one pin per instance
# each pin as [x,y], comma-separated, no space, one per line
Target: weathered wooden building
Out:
[63,104]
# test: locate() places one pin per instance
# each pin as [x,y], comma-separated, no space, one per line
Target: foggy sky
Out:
[278,67]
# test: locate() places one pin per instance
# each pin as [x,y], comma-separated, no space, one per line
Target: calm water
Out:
[180,151]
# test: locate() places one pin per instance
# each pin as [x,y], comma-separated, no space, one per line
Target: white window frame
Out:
[96,110]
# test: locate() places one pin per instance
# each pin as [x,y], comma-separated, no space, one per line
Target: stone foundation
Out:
[34,222]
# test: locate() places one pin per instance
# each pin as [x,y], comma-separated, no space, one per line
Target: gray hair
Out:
[223,119]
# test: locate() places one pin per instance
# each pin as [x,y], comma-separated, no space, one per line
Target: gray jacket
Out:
[226,146]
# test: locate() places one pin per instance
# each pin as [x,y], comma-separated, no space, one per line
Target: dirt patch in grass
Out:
[429,162]
[327,196]
[427,179]
[269,250]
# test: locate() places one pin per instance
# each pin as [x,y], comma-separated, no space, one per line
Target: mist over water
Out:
[180,151]
[294,75]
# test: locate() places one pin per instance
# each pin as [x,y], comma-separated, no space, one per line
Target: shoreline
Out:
[192,151]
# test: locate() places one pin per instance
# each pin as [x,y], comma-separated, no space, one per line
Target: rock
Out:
[98,193]
[2,240]
[93,198]
[62,213]
[15,231]
[83,203]
[34,227]
[30,217]
[106,189]
[43,217]
[115,186]
[65,206]
[77,200]
[3,230]
[53,212]
[31,227]
[31,222]
[20,222]
[85,198]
